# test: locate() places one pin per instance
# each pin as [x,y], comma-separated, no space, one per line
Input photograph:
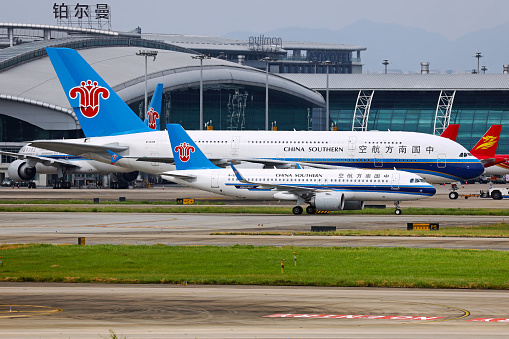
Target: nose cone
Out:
[472,170]
[429,190]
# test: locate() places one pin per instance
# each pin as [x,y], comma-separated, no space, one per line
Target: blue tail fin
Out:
[186,154]
[100,111]
[153,114]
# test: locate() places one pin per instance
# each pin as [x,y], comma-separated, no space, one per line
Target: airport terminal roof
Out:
[404,82]
[226,44]
[35,82]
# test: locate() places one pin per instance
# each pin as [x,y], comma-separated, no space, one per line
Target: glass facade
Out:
[16,130]
[414,111]
[231,108]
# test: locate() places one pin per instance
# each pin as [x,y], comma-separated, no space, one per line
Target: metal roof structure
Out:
[31,91]
[407,82]
[226,44]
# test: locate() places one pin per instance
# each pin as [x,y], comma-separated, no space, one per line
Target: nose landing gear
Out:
[397,211]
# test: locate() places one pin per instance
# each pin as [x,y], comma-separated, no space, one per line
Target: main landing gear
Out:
[309,210]
[297,210]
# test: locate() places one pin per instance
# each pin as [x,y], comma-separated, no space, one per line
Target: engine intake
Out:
[130,176]
[19,170]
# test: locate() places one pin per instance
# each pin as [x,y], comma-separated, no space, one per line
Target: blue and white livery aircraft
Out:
[33,160]
[110,125]
[322,189]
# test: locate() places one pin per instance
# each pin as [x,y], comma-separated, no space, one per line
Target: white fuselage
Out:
[287,184]
[435,159]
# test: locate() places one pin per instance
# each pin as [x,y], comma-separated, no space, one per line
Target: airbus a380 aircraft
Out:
[322,189]
[110,125]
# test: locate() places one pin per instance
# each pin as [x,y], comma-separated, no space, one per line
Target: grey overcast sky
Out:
[450,18]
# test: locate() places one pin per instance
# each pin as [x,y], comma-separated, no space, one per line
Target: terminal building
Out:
[300,76]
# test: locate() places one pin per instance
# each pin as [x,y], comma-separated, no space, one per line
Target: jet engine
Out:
[354,205]
[19,170]
[130,176]
[328,201]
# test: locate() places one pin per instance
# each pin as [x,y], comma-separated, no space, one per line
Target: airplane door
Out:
[395,181]
[351,145]
[441,161]
[379,162]
[235,145]
[154,155]
[215,178]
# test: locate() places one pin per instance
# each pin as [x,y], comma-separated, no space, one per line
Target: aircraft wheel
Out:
[497,195]
[397,211]
[310,210]
[297,210]
[453,195]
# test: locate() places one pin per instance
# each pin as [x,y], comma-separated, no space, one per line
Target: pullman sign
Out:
[263,43]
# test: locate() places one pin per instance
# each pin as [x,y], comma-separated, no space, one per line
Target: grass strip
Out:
[499,230]
[206,208]
[249,265]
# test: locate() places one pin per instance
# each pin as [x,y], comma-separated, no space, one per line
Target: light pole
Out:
[478,56]
[385,63]
[484,69]
[201,57]
[146,54]
[267,60]
[327,63]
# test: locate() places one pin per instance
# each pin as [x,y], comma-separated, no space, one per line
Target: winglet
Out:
[114,157]
[237,174]
[451,132]
[186,153]
[487,145]
[153,113]
[100,111]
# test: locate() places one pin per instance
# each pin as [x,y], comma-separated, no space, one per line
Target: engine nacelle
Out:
[19,170]
[354,205]
[130,176]
[328,201]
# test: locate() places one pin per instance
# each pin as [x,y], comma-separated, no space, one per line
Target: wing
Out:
[293,189]
[75,148]
[46,161]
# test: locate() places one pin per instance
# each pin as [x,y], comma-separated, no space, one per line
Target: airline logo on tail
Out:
[114,157]
[89,94]
[487,142]
[152,116]
[184,150]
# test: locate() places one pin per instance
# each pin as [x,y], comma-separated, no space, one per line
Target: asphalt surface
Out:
[30,310]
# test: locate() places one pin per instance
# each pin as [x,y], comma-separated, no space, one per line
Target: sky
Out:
[450,18]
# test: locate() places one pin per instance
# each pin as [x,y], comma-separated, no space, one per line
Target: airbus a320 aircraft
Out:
[110,125]
[322,189]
